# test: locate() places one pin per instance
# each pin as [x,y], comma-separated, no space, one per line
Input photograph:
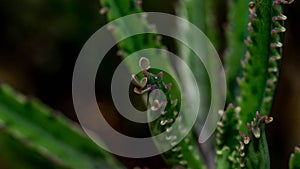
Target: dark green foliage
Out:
[236,34]
[45,137]
[189,10]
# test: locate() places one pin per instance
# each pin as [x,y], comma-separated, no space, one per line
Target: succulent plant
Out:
[252,66]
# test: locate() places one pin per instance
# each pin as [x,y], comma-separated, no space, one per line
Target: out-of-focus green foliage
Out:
[236,32]
[42,139]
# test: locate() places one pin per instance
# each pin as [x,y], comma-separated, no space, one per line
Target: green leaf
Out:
[236,33]
[45,137]
[261,64]
[120,8]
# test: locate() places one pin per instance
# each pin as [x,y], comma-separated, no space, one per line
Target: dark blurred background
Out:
[41,39]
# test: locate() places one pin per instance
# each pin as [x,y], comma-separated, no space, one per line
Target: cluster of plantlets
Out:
[42,136]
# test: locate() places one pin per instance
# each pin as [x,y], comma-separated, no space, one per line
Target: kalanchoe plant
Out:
[240,138]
